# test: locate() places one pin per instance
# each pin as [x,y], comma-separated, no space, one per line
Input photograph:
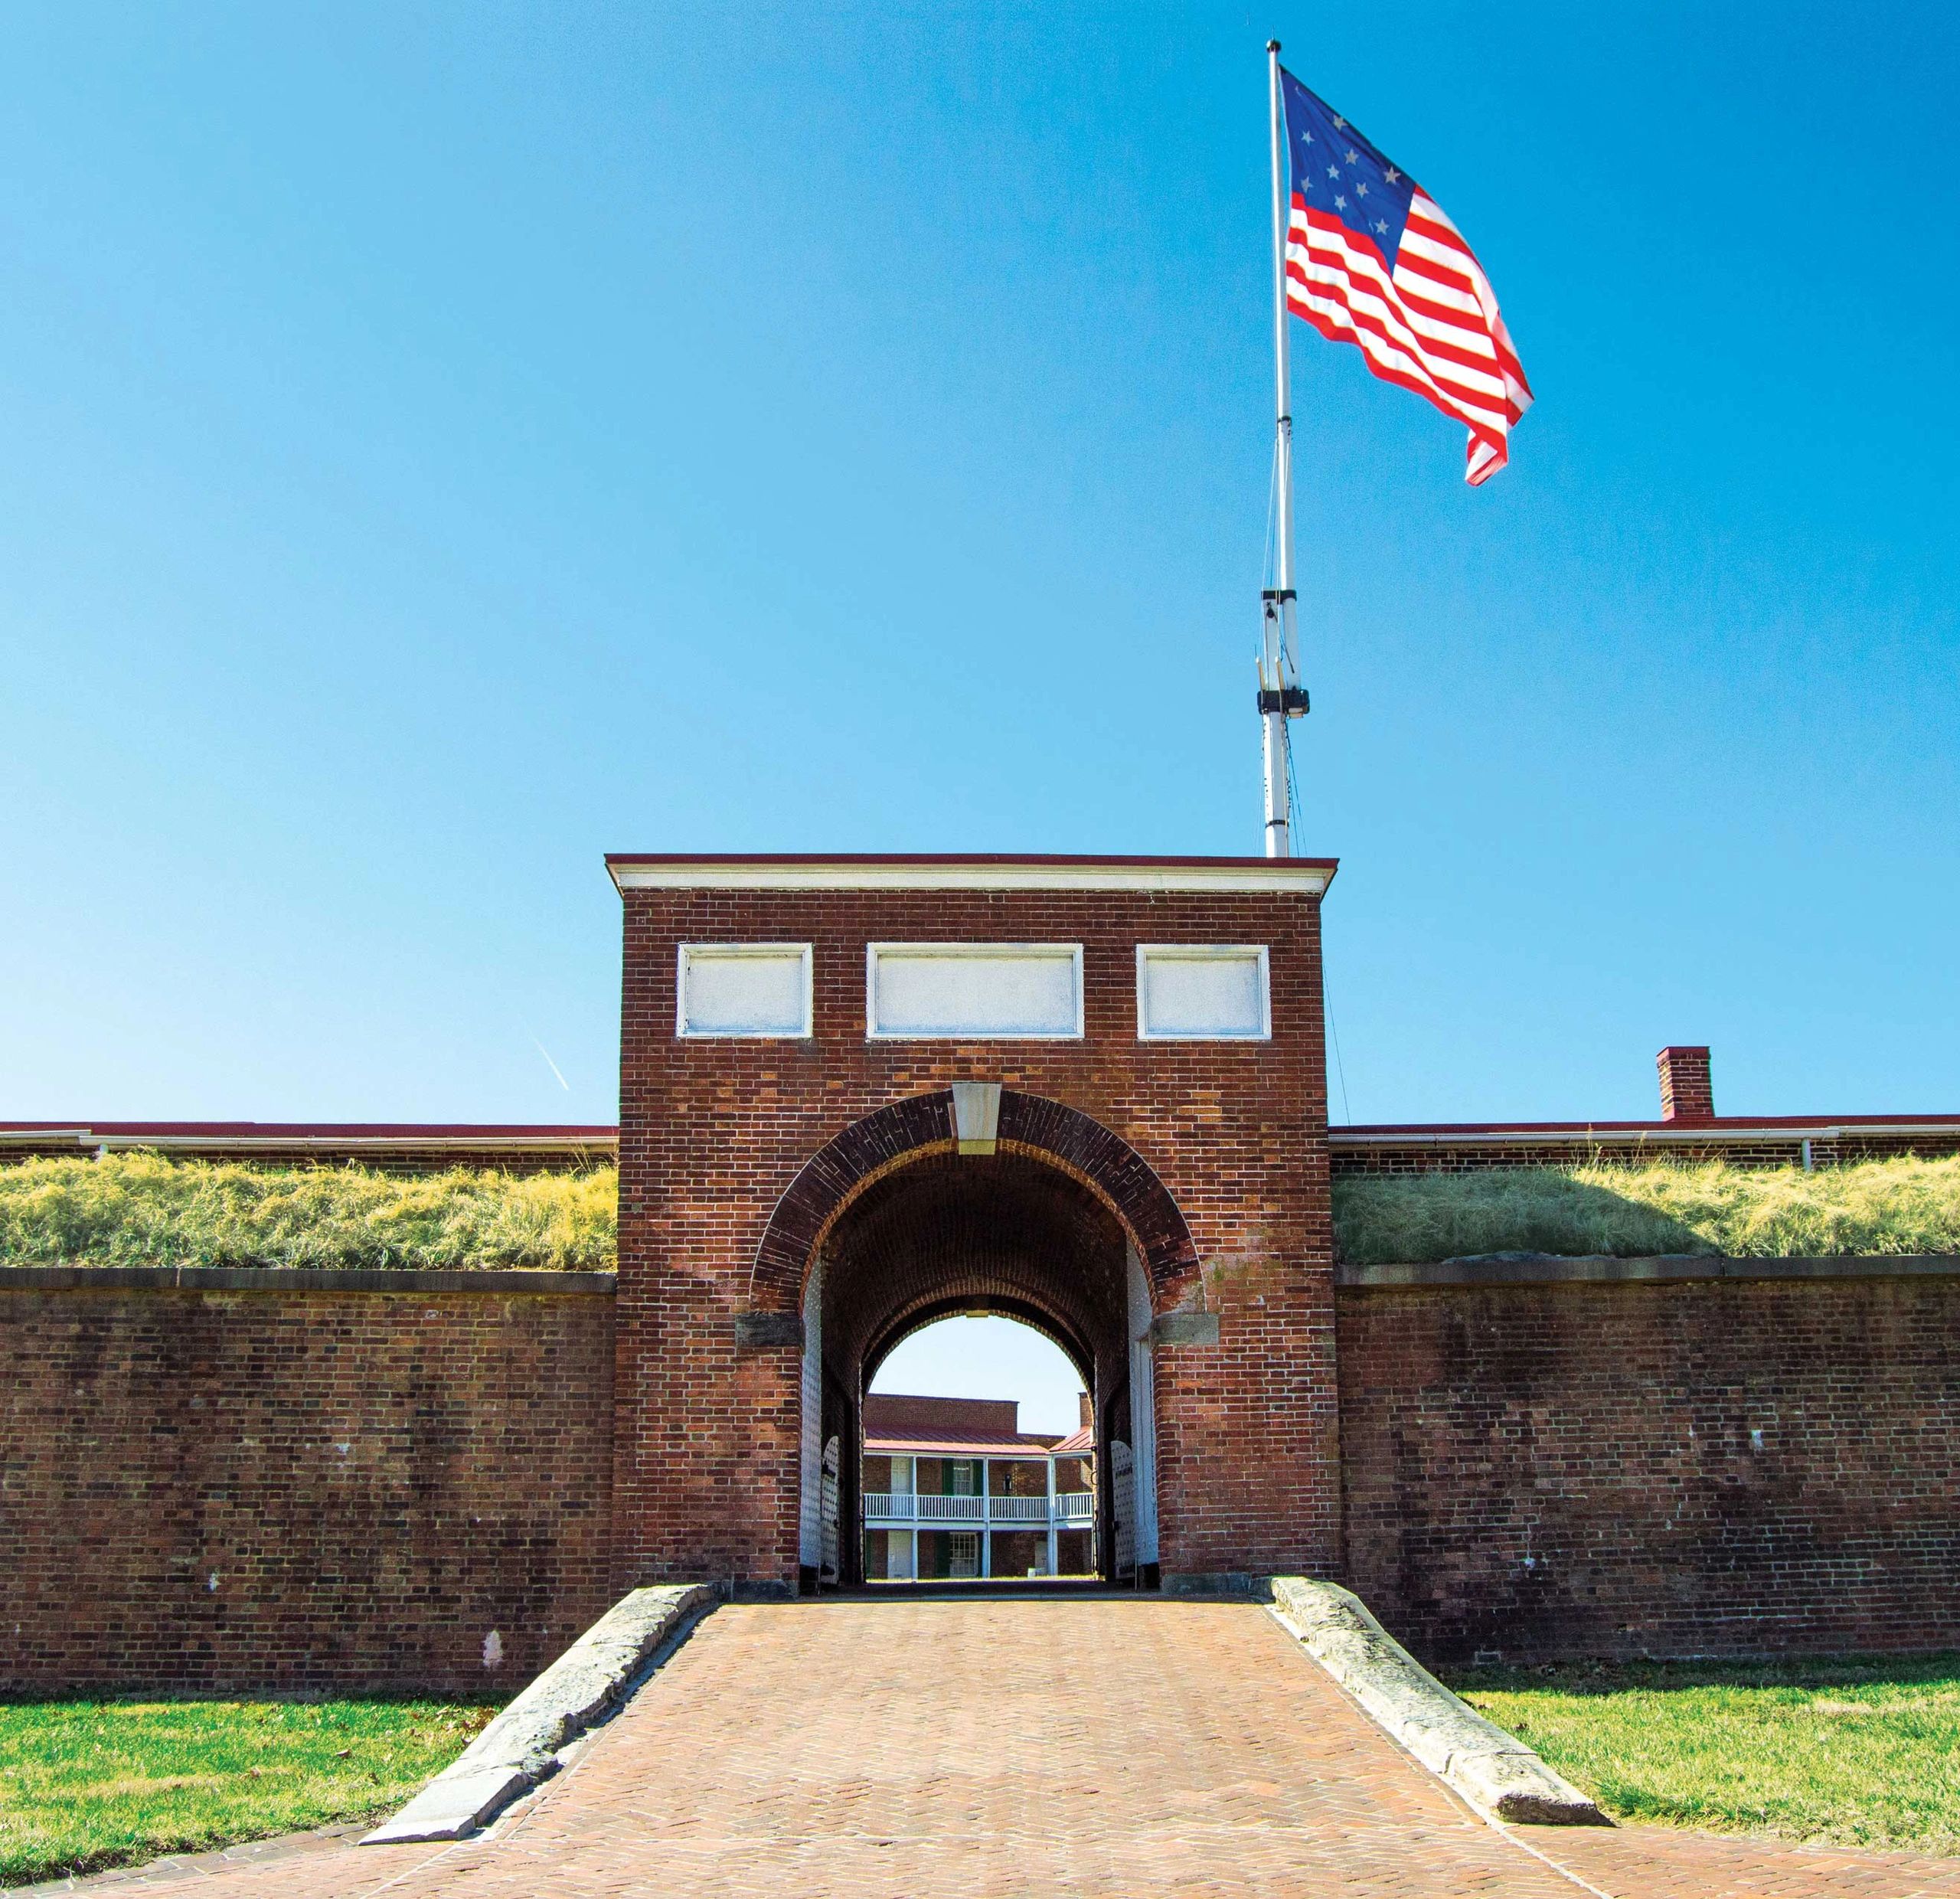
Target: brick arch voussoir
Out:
[905,1130]
[829,1180]
[1080,1144]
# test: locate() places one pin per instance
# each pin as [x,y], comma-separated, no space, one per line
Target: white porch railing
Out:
[908,1507]
[950,1509]
[1018,1509]
[887,1506]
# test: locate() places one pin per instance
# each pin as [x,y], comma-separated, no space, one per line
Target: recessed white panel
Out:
[962,990]
[744,988]
[1202,992]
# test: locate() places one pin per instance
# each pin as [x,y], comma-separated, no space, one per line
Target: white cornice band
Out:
[1280,874]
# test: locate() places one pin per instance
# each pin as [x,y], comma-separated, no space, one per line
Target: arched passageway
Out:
[979,1454]
[1009,1233]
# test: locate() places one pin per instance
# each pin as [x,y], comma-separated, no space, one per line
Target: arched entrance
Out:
[979,1414]
[1051,1220]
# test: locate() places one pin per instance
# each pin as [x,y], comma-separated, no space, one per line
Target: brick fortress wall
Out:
[1704,1465]
[226,1482]
[714,1132]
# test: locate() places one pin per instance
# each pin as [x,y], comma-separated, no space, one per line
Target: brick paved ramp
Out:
[1107,1746]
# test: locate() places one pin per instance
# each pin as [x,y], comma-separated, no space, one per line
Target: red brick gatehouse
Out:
[859,1093]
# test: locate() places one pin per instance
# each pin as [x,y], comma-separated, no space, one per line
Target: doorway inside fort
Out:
[979,1459]
[897,1493]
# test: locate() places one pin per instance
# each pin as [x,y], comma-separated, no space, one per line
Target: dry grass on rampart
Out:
[139,1210]
[1899,1206]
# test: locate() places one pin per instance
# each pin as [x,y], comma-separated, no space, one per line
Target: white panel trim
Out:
[1279,875]
[1148,953]
[1070,953]
[689,954]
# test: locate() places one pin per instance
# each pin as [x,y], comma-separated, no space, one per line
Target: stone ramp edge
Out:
[520,1747]
[1495,1771]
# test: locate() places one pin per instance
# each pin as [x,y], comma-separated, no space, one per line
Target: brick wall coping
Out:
[1553,1268]
[299,1279]
[1619,1133]
[353,1138]
[1203,875]
[320,1141]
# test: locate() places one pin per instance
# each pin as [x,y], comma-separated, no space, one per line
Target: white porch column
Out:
[1054,1550]
[986,1518]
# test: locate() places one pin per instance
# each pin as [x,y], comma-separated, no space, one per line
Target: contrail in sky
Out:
[550,1064]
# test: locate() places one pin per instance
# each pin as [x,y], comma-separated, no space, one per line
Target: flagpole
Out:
[1280,697]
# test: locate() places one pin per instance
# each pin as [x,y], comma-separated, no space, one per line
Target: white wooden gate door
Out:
[833,1459]
[1123,1505]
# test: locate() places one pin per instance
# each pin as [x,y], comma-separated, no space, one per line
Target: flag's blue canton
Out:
[1337,172]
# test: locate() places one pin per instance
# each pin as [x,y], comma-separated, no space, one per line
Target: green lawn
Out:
[1894,1206]
[1861,1750]
[85,1785]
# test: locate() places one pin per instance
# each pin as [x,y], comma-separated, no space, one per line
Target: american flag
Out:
[1372,260]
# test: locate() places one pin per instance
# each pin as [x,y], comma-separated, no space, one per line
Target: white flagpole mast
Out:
[1280,696]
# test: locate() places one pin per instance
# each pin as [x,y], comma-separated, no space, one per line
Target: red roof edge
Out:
[323,1130]
[1027,1444]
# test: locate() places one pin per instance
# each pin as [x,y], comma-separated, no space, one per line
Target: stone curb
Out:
[520,1746]
[1564,1269]
[540,1282]
[1495,1772]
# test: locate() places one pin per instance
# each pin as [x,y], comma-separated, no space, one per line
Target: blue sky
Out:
[440,444]
[985,1358]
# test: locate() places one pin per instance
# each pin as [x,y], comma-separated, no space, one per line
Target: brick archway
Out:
[1049,1131]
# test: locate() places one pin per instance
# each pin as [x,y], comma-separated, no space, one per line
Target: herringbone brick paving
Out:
[1102,1746]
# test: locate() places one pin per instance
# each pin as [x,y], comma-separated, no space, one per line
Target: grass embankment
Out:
[139,1210]
[1862,1752]
[1889,1206]
[85,1785]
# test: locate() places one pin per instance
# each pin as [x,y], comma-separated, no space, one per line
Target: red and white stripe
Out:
[1431,324]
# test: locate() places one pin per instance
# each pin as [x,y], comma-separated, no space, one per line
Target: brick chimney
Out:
[1687,1093]
[1085,1409]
